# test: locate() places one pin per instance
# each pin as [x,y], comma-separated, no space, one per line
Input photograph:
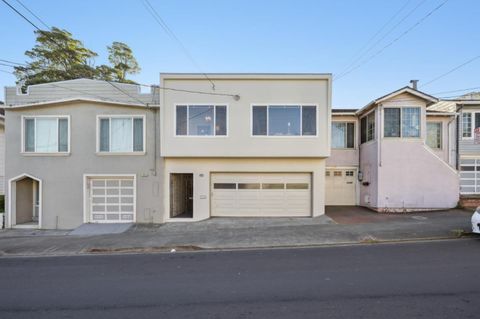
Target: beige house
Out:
[257,146]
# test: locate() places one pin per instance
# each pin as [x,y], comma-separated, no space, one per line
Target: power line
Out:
[451,71]
[460,90]
[126,93]
[6,72]
[33,14]
[11,62]
[151,10]
[9,65]
[396,39]
[21,15]
[354,61]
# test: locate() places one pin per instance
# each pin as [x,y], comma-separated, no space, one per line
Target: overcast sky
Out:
[399,39]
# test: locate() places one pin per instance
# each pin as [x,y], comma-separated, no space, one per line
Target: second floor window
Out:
[470,122]
[121,134]
[343,135]
[367,128]
[402,122]
[201,120]
[46,134]
[284,120]
[434,135]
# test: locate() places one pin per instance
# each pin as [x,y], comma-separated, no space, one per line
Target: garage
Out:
[261,194]
[340,187]
[111,199]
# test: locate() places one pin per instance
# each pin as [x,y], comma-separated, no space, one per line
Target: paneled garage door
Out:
[340,187]
[266,194]
[112,200]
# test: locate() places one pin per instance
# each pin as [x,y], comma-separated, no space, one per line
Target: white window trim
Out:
[110,116]
[375,128]
[354,135]
[472,125]
[268,105]
[86,177]
[441,135]
[214,120]
[401,123]
[22,129]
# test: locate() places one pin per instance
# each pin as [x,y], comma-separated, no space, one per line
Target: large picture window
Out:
[434,135]
[343,135]
[284,120]
[367,128]
[402,122]
[121,134]
[201,120]
[48,134]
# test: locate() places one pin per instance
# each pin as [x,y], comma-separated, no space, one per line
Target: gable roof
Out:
[406,89]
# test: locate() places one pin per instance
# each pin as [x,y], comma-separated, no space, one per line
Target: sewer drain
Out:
[419,217]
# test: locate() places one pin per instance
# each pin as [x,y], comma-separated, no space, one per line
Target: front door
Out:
[181,195]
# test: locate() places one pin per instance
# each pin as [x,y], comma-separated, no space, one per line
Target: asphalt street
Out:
[437,279]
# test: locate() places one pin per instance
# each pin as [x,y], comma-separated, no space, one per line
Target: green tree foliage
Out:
[57,56]
[122,60]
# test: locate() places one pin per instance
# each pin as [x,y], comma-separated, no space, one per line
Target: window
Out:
[402,122]
[201,120]
[225,186]
[284,120]
[337,173]
[297,185]
[466,124]
[434,134]
[121,134]
[367,128]
[343,135]
[248,186]
[46,134]
[349,173]
[273,186]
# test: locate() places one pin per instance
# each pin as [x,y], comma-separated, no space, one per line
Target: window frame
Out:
[366,127]
[346,135]
[401,122]
[109,117]
[472,124]
[441,135]
[300,105]
[227,120]
[34,117]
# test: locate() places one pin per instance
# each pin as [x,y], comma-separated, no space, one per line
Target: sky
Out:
[277,36]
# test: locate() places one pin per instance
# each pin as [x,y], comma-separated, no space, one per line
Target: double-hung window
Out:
[46,134]
[367,128]
[121,134]
[470,122]
[201,120]
[401,122]
[343,135]
[434,135]
[284,120]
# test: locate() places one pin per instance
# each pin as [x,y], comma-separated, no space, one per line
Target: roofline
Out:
[78,99]
[245,76]
[441,113]
[344,114]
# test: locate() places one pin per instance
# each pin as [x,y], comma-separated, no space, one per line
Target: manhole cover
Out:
[419,217]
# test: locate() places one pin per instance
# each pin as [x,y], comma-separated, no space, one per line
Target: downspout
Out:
[457,140]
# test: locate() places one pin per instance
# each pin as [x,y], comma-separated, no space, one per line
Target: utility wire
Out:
[21,15]
[395,40]
[451,71]
[11,62]
[33,14]
[459,90]
[151,10]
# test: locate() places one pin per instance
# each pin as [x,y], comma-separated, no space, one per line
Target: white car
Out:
[476,221]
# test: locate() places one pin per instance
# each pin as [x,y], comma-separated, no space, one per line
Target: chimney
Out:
[414,84]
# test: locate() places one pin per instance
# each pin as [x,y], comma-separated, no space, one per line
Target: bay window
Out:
[121,134]
[284,120]
[201,120]
[402,122]
[343,135]
[434,135]
[46,134]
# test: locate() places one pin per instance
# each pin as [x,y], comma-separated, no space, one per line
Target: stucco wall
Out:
[345,157]
[203,167]
[62,176]
[255,89]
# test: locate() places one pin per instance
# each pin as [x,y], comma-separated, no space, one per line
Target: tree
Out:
[57,56]
[122,60]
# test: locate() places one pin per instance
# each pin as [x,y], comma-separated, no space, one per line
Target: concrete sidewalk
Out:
[342,225]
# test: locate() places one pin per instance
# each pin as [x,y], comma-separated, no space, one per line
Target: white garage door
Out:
[112,200]
[340,187]
[261,195]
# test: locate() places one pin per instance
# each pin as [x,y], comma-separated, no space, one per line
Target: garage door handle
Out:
[349,182]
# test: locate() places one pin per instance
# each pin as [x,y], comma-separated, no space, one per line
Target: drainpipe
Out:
[457,140]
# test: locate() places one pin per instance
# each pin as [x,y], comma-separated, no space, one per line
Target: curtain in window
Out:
[350,135]
[29,135]
[62,135]
[392,122]
[339,132]
[46,135]
[411,122]
[138,135]
[284,120]
[220,120]
[121,139]
[104,135]
[200,120]
[259,125]
[309,120]
[181,119]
